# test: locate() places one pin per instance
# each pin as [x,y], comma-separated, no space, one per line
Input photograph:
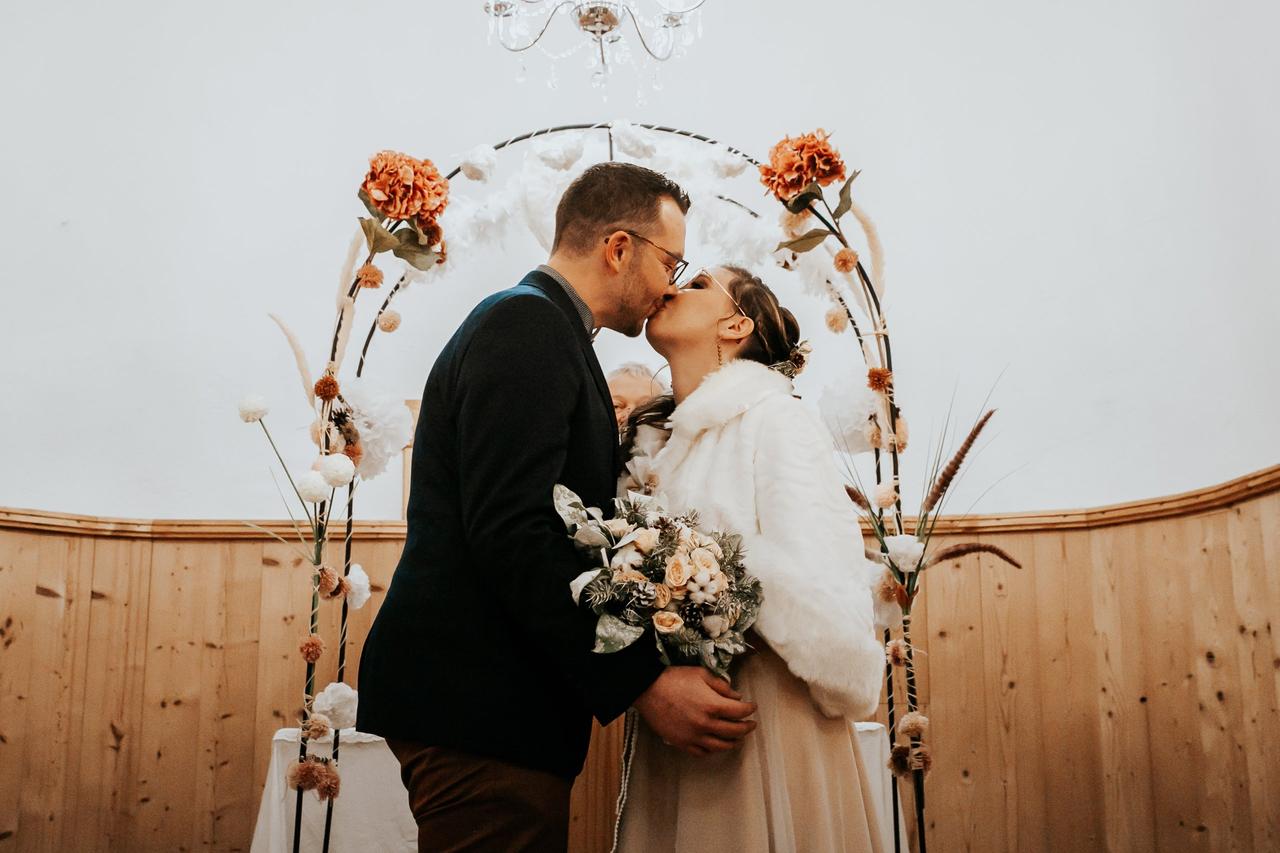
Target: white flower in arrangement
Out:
[561,152]
[411,275]
[313,488]
[632,140]
[253,409]
[338,703]
[337,469]
[703,560]
[628,557]
[617,527]
[384,424]
[846,408]
[646,539]
[359,594]
[478,163]
[886,495]
[715,625]
[728,165]
[705,586]
[905,550]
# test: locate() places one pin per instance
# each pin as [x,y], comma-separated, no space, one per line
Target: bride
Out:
[751,458]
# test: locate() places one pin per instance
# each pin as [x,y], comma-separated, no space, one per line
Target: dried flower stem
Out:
[952,552]
[373,327]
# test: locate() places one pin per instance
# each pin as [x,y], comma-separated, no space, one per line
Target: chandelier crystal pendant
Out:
[662,32]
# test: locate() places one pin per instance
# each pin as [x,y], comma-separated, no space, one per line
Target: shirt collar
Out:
[584,312]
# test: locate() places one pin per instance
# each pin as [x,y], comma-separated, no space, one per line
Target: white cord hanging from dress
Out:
[630,727]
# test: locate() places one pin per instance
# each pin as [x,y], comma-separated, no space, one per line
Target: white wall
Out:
[1077,198]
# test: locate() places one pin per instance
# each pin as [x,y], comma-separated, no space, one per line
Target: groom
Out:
[478,669]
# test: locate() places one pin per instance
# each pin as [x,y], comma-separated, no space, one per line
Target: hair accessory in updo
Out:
[796,361]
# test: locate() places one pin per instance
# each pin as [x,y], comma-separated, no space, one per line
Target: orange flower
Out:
[369,276]
[326,387]
[794,163]
[846,260]
[878,379]
[354,452]
[311,648]
[328,580]
[401,187]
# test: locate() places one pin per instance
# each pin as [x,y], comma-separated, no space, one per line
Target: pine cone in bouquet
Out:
[654,569]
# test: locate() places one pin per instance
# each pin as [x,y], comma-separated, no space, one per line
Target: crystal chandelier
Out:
[667,31]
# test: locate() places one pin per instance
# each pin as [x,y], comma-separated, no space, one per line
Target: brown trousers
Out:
[469,803]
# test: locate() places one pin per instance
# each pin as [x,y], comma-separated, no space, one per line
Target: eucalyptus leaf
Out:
[416,256]
[807,196]
[846,196]
[614,635]
[568,505]
[589,536]
[378,238]
[378,215]
[811,240]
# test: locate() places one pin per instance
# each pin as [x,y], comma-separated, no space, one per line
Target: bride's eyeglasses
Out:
[699,280]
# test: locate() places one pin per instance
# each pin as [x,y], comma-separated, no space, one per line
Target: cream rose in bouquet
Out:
[656,568]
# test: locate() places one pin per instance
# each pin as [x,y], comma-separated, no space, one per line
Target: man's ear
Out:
[616,249]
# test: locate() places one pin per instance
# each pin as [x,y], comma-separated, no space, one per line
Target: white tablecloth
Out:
[372,813]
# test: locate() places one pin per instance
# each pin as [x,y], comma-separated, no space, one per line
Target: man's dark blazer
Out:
[478,646]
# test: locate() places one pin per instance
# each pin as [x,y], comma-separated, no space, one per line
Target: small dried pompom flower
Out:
[895,652]
[354,452]
[369,276]
[900,760]
[878,379]
[886,495]
[253,409]
[327,387]
[330,782]
[337,469]
[914,724]
[922,758]
[837,319]
[314,774]
[389,320]
[898,441]
[846,260]
[311,648]
[316,727]
[312,487]
[327,579]
[341,588]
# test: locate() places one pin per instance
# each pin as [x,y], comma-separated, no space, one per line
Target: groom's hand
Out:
[695,711]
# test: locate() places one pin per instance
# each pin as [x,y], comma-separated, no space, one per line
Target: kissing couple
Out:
[479,669]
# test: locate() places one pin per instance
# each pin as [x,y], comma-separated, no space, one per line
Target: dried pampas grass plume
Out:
[299,357]
[874,246]
[952,552]
[900,760]
[346,320]
[349,264]
[914,725]
[953,467]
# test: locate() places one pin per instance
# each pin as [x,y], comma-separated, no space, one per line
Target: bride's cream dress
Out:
[751,458]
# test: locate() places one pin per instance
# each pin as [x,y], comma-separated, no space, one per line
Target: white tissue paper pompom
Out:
[253,409]
[338,703]
[479,163]
[313,488]
[905,550]
[384,424]
[846,408]
[560,152]
[337,469]
[633,141]
[358,596]
[729,165]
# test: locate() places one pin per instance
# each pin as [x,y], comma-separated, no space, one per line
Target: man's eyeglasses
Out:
[680,263]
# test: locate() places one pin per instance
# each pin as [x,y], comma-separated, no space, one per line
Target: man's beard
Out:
[633,310]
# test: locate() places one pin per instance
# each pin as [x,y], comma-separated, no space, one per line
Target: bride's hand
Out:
[693,710]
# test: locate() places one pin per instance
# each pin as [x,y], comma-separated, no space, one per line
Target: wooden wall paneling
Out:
[1012,677]
[19,560]
[59,603]
[971,816]
[101,774]
[1073,807]
[1256,602]
[282,623]
[1119,655]
[593,801]
[1217,678]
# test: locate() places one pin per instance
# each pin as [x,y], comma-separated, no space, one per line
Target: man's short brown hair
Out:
[608,197]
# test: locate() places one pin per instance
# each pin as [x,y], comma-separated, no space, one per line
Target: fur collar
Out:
[726,394]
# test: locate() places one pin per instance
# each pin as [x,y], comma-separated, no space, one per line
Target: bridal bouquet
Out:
[657,568]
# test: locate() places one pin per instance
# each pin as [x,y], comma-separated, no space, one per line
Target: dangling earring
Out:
[719,356]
